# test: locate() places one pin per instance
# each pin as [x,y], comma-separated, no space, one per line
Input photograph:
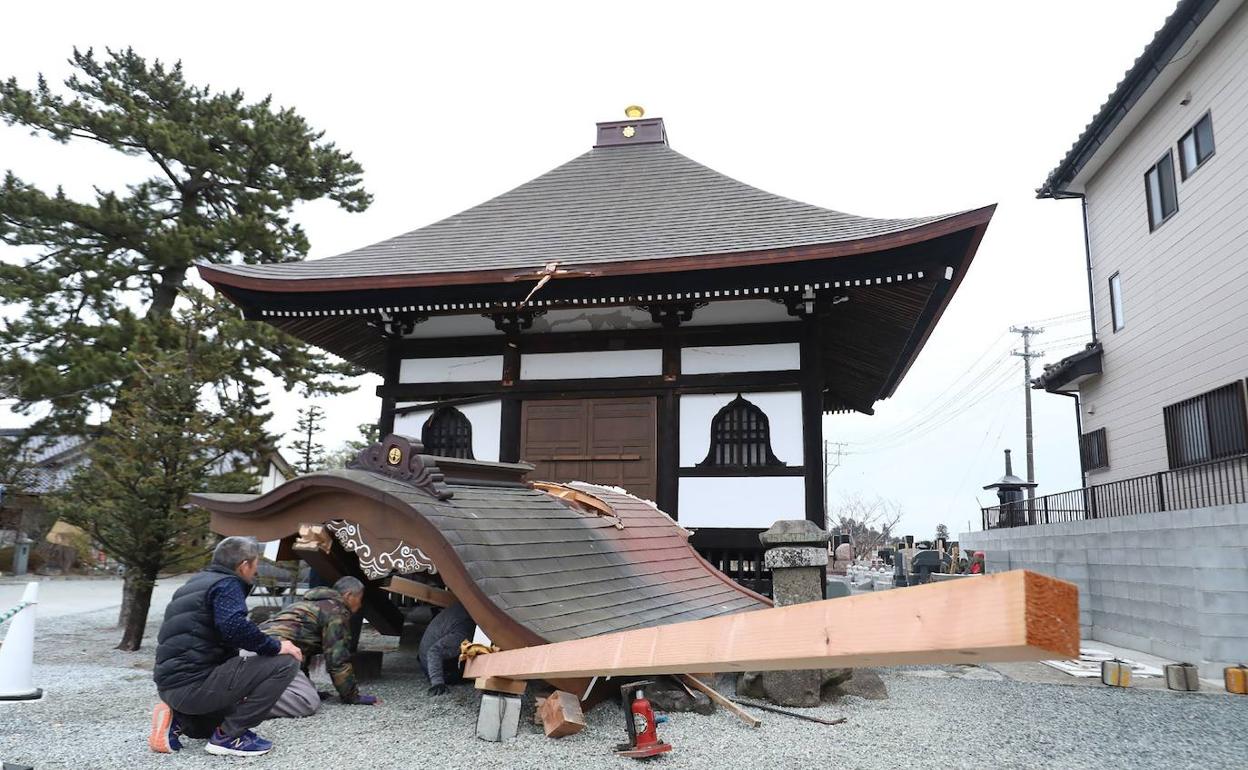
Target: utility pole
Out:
[828,467]
[1027,354]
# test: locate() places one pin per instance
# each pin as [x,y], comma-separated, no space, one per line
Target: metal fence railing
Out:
[1220,482]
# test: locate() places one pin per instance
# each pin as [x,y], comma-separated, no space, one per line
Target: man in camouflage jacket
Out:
[320,625]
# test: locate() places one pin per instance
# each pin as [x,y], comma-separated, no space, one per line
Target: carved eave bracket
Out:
[671,315]
[402,458]
[398,325]
[514,323]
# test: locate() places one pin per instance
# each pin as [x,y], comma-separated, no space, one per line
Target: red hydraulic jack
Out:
[643,737]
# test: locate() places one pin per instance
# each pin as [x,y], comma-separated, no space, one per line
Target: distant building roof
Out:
[49,461]
[1147,69]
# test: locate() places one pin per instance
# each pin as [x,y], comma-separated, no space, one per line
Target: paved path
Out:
[70,597]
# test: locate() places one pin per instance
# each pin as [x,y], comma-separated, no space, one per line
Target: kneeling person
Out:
[440,646]
[319,625]
[207,690]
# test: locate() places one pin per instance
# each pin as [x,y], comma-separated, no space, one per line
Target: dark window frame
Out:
[1210,426]
[447,433]
[1164,162]
[740,439]
[1115,304]
[1192,132]
[1093,450]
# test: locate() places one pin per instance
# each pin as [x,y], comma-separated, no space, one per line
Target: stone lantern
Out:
[1010,492]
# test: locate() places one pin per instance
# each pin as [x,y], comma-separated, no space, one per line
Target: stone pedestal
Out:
[797,554]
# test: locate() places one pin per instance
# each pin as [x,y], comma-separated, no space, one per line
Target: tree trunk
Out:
[135,603]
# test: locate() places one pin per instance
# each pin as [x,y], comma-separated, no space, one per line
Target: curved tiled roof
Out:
[611,204]
[528,567]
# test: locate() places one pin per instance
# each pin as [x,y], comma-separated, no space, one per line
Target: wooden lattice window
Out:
[740,438]
[448,433]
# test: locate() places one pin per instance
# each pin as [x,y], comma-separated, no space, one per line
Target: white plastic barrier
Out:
[17,654]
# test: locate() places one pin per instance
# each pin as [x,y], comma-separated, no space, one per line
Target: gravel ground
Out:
[98,703]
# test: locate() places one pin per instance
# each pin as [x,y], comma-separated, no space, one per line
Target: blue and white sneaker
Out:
[246,745]
[166,731]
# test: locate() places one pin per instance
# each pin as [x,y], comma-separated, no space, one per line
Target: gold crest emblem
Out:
[394,456]
[629,132]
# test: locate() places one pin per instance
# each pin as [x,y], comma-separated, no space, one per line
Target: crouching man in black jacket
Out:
[206,689]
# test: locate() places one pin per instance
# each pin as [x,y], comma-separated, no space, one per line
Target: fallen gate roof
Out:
[516,556]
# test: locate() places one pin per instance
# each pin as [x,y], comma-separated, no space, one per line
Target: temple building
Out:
[634,319]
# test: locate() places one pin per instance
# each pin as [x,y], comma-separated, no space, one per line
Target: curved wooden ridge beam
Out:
[1017,615]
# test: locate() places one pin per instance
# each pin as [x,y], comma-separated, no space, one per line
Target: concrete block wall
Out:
[1174,584]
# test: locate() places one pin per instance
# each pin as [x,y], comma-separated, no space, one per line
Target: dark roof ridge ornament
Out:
[636,130]
[403,458]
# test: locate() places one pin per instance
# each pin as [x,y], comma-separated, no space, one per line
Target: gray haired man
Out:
[206,689]
[320,625]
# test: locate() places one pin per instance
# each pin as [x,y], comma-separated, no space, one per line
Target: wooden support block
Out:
[420,592]
[501,684]
[710,692]
[561,714]
[1019,615]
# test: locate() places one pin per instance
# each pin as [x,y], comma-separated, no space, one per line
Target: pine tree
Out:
[162,442]
[98,303]
[311,454]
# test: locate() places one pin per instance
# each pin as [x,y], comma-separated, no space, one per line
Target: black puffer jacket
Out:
[189,646]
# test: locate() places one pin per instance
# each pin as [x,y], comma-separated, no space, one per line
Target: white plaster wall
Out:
[752,311]
[272,479]
[741,501]
[784,414]
[592,319]
[486,418]
[1183,285]
[442,326]
[456,369]
[719,359]
[596,364]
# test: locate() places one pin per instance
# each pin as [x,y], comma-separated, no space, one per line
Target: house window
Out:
[1208,427]
[1163,200]
[448,433]
[740,438]
[1093,451]
[1115,302]
[1196,146]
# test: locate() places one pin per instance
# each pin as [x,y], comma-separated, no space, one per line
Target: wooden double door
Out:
[599,440]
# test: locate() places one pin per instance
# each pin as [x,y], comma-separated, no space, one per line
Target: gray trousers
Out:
[299,699]
[238,695]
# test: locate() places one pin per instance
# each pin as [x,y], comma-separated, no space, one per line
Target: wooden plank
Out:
[710,692]
[1019,615]
[420,592]
[500,684]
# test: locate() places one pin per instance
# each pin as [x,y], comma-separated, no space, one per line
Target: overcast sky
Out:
[885,109]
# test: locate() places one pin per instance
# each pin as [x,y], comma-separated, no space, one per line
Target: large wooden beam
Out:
[420,592]
[1016,615]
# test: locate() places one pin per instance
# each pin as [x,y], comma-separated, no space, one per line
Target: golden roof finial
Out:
[634,111]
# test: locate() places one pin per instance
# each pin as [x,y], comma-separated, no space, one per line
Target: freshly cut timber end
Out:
[1011,616]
